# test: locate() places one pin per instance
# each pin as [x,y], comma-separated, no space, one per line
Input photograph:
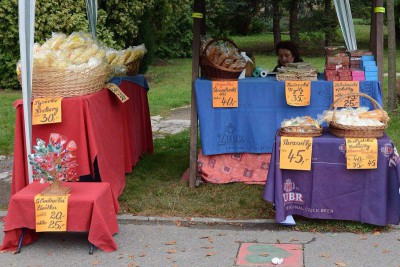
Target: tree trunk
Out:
[276,27]
[293,28]
[392,99]
[328,16]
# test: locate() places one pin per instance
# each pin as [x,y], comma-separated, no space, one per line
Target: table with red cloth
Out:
[116,134]
[90,208]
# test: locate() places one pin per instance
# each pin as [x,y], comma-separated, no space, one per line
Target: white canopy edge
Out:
[26,24]
[345,18]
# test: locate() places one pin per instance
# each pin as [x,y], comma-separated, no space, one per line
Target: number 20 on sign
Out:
[295,153]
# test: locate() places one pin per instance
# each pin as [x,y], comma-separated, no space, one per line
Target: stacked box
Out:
[355,58]
[368,65]
[357,75]
[337,64]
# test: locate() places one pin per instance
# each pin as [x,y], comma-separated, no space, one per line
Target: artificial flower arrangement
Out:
[55,161]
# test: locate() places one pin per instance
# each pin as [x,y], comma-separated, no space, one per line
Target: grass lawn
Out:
[155,187]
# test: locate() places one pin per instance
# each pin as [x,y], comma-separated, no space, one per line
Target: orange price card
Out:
[225,94]
[51,213]
[298,93]
[362,153]
[46,110]
[341,88]
[295,153]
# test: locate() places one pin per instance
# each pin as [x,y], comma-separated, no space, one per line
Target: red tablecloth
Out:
[102,126]
[90,208]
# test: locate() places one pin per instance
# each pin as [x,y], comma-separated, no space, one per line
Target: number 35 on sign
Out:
[295,153]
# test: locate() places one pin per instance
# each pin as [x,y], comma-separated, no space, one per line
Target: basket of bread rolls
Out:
[66,66]
[220,59]
[357,122]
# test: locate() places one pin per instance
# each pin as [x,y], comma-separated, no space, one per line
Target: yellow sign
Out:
[362,153]
[379,9]
[46,110]
[117,91]
[197,15]
[298,93]
[225,94]
[341,88]
[51,213]
[296,153]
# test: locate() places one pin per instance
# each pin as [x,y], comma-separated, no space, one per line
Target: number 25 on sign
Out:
[295,153]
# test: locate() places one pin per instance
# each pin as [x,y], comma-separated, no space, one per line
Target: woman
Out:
[287,53]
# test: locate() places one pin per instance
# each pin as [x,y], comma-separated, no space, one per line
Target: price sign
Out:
[51,213]
[298,93]
[225,94]
[46,110]
[341,88]
[362,153]
[295,153]
[117,91]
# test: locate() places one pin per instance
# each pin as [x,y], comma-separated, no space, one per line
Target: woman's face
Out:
[285,56]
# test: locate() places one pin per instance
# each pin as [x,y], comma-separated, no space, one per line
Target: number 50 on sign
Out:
[295,153]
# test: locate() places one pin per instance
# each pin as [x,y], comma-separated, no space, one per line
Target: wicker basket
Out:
[47,82]
[213,71]
[341,130]
[295,131]
[133,67]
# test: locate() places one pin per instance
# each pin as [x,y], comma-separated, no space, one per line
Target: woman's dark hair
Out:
[289,45]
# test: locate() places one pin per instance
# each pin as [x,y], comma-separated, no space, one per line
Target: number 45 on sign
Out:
[295,153]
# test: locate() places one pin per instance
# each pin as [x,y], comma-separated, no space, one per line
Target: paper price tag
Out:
[362,153]
[295,153]
[51,213]
[341,88]
[46,110]
[298,93]
[117,91]
[225,94]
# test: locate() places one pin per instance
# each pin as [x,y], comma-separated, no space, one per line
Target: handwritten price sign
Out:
[298,93]
[117,91]
[225,94]
[46,110]
[296,153]
[362,153]
[341,88]
[51,213]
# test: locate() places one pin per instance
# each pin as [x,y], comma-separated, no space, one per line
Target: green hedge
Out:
[164,26]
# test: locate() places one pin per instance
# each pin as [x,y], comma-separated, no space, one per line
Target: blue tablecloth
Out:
[138,79]
[262,107]
[330,191]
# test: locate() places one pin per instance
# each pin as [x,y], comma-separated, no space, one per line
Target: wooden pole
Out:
[392,99]
[376,35]
[198,27]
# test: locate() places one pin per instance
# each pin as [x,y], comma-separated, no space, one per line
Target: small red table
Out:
[90,208]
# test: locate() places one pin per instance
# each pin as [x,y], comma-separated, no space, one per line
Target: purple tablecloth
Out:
[330,191]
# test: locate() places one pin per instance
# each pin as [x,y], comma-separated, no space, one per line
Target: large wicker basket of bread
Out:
[220,59]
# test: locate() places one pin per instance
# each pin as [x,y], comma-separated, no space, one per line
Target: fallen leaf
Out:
[210,239]
[385,251]
[207,247]
[375,245]
[95,262]
[325,255]
[131,256]
[221,234]
[120,257]
[133,264]
[278,241]
[293,239]
[171,251]
[204,237]
[142,255]
[363,237]
[211,254]
[264,254]
[296,228]
[170,243]
[376,233]
[341,264]
[178,223]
